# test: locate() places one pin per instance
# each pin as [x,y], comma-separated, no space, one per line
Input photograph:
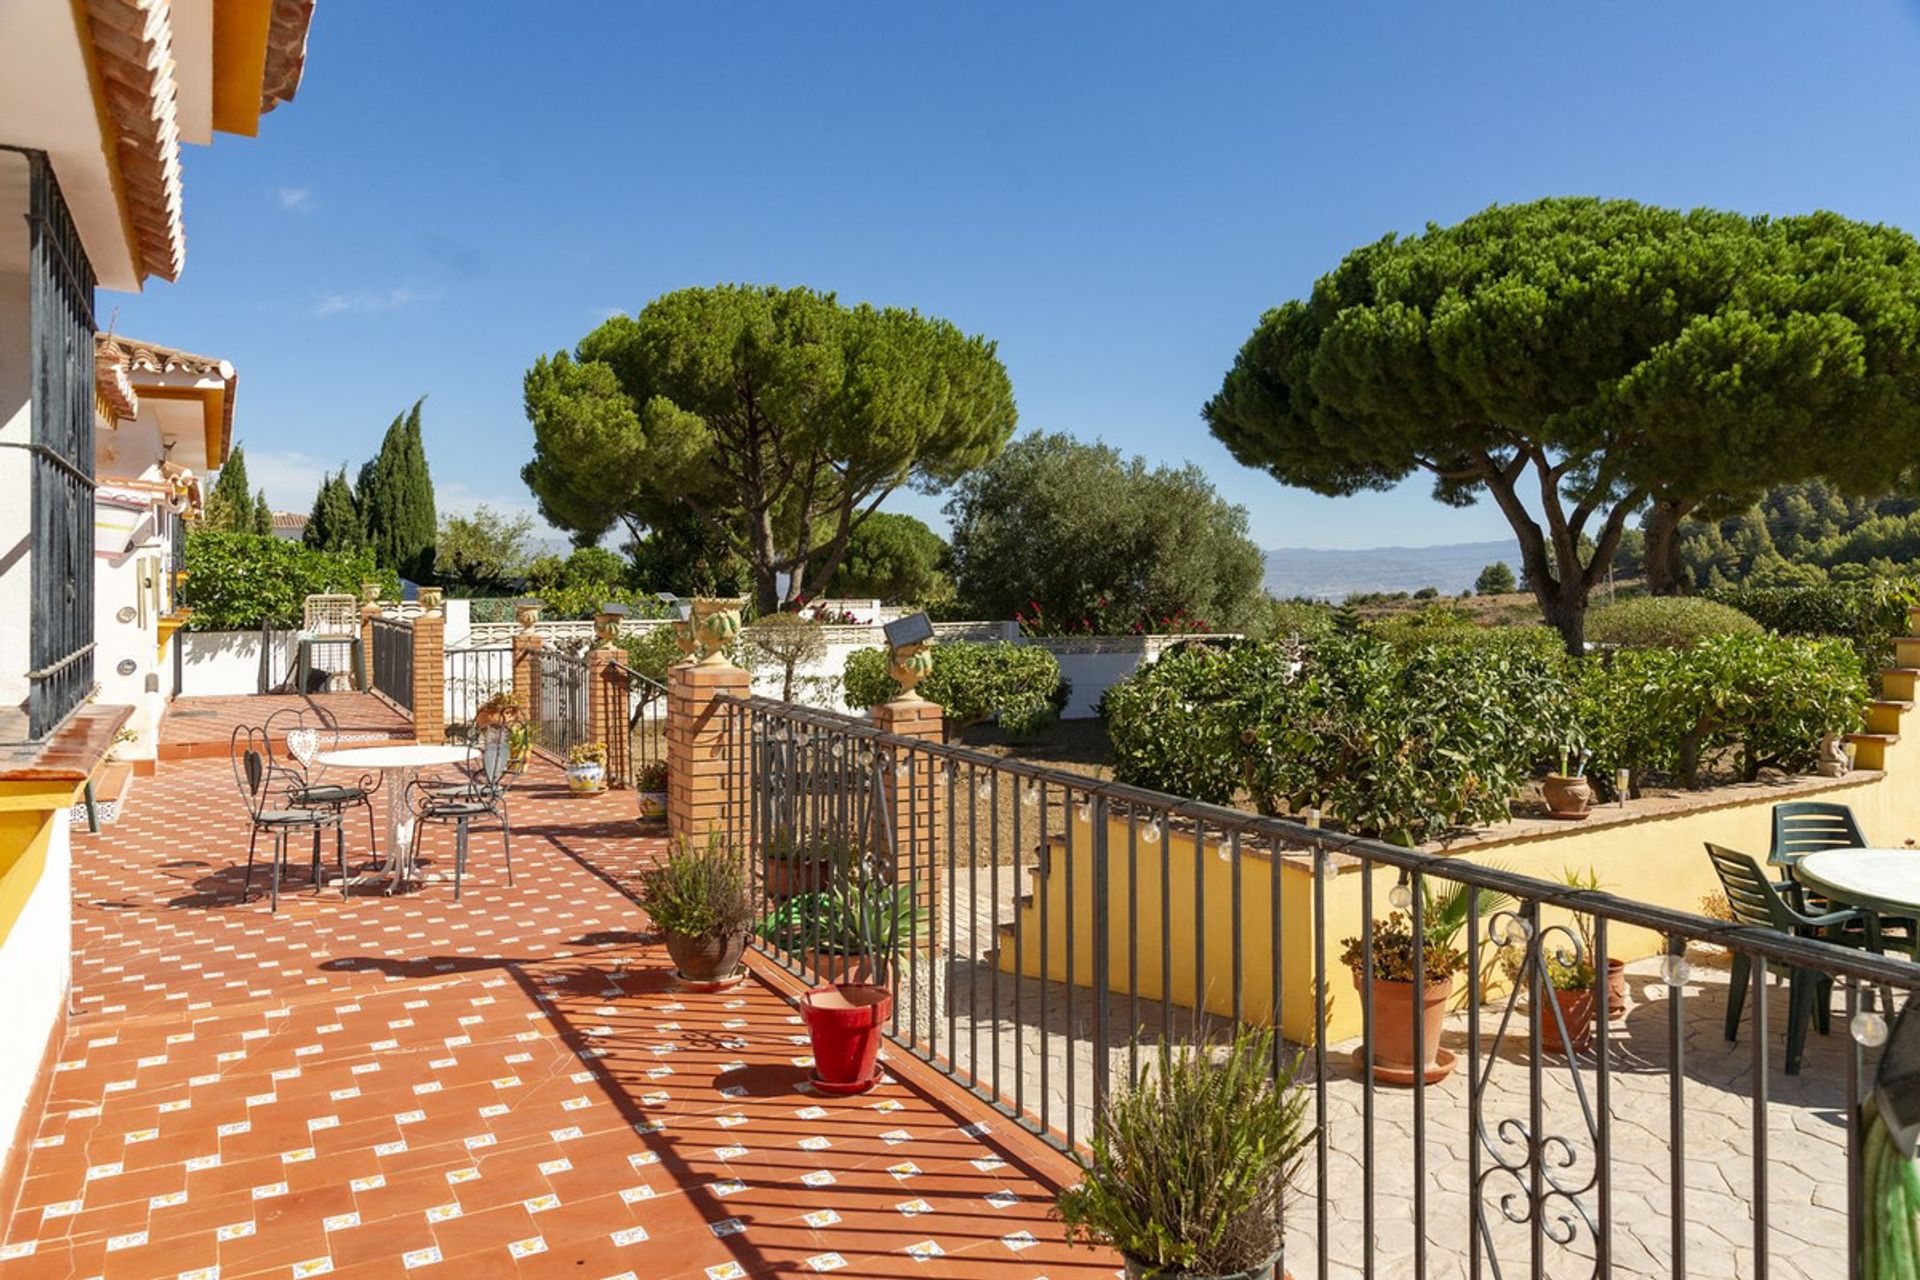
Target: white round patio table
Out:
[1884,881]
[399,766]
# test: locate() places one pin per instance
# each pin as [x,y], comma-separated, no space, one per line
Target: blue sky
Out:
[1114,192]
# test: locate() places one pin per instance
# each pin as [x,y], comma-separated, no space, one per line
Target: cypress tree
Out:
[334,522]
[395,496]
[230,507]
[262,515]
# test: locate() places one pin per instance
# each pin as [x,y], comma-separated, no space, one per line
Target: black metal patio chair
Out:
[481,797]
[265,787]
[1762,903]
[307,733]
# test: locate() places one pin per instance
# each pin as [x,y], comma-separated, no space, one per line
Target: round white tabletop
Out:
[398,765]
[1882,880]
[402,756]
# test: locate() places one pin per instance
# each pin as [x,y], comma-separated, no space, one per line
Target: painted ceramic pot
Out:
[716,622]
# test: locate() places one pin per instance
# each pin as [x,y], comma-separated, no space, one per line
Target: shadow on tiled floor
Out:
[507,1085]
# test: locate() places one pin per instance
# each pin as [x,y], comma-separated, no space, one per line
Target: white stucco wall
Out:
[36,962]
[228,662]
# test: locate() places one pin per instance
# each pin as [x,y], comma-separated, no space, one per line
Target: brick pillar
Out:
[526,671]
[700,773]
[368,612]
[917,802]
[429,678]
[607,693]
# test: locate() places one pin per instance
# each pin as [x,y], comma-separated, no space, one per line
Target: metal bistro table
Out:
[399,766]
[1883,881]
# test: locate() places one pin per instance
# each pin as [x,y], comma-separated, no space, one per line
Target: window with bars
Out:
[61,326]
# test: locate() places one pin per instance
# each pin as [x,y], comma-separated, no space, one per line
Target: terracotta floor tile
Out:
[359,1052]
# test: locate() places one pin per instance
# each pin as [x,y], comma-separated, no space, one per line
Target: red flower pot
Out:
[844,1021]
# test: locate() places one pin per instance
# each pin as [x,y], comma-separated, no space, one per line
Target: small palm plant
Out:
[1188,1166]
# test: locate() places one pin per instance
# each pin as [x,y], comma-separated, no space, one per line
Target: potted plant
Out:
[587,768]
[822,930]
[502,708]
[871,919]
[698,900]
[650,784]
[1570,976]
[801,864]
[1568,794]
[1396,1058]
[1189,1164]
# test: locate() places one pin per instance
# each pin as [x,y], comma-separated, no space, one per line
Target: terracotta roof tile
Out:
[133,51]
[110,378]
[286,52]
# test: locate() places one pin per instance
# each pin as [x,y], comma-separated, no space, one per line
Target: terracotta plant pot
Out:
[1394,1059]
[791,877]
[844,1021]
[1567,796]
[1576,1008]
[835,966]
[709,959]
[1138,1270]
[1616,989]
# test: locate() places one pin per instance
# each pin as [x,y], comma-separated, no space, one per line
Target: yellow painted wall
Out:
[1656,858]
[27,814]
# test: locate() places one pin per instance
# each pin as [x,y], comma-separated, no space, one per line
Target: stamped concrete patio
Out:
[507,1085]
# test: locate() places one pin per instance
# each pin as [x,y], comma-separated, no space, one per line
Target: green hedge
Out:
[243,581]
[1404,740]
[1401,740]
[1667,622]
[1017,686]
[1865,614]
[1755,701]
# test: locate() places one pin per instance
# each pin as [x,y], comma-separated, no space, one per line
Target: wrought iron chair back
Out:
[496,754]
[252,759]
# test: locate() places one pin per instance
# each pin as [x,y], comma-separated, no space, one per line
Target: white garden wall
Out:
[229,662]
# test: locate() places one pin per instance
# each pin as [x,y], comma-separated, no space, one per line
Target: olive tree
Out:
[1580,360]
[779,418]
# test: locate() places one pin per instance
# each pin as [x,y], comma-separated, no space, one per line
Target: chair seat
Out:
[330,795]
[457,809]
[296,817]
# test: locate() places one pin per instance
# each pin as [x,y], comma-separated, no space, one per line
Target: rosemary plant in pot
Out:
[1189,1164]
[1394,988]
[698,899]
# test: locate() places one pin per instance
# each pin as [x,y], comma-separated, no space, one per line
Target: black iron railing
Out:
[1064,923]
[393,661]
[561,705]
[60,307]
[636,716]
[475,674]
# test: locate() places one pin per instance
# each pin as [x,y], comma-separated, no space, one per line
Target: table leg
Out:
[400,825]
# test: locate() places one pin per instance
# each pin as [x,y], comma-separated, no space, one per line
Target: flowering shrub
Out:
[1107,620]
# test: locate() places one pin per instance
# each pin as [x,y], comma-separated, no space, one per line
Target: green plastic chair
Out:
[1801,827]
[1759,902]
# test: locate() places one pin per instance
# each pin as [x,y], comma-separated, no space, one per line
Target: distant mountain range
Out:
[1333,575]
